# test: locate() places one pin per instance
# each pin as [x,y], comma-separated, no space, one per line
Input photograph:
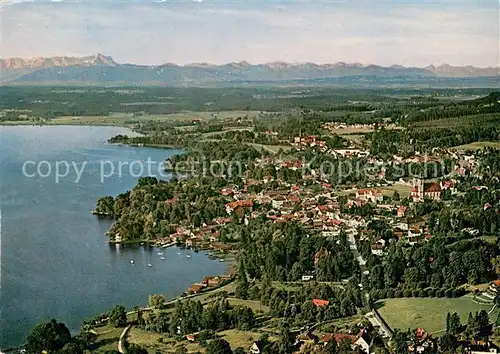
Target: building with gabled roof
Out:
[422,190]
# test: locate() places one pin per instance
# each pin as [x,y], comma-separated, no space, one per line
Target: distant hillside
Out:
[101,69]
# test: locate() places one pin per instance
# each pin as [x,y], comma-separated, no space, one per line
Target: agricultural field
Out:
[125,119]
[479,145]
[459,121]
[428,313]
[345,132]
[112,119]
[206,115]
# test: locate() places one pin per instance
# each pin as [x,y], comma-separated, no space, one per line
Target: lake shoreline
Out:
[177,274]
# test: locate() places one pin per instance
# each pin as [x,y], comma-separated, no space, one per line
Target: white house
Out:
[378,247]
[307,277]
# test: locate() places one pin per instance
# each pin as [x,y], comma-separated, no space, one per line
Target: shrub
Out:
[414,293]
[432,292]
[422,293]
[448,293]
[439,293]
[398,293]
[406,293]
[390,293]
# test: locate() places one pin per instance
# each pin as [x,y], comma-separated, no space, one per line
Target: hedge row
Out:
[429,292]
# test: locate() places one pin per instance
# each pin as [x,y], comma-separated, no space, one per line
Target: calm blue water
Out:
[55,262]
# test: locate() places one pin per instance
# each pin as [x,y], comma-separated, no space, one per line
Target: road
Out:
[121,341]
[382,330]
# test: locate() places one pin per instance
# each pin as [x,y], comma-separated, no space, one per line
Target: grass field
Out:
[238,338]
[107,339]
[253,304]
[428,313]
[124,118]
[225,130]
[157,343]
[356,138]
[271,148]
[459,121]
[112,119]
[403,190]
[352,130]
[205,115]
[479,145]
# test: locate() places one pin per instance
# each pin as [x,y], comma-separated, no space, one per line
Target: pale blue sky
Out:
[412,33]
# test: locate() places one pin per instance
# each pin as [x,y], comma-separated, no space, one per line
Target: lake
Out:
[54,258]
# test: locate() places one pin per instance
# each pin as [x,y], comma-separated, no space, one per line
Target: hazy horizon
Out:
[385,33]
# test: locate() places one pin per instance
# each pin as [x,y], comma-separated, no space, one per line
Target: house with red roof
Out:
[494,286]
[239,204]
[361,340]
[422,190]
[402,211]
[369,195]
[378,246]
[320,303]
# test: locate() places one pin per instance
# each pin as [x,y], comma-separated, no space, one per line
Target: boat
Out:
[188,256]
[179,252]
[132,261]
[150,265]
[165,245]
[160,253]
[221,260]
[162,258]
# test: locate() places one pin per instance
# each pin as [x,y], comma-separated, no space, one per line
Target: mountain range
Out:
[101,69]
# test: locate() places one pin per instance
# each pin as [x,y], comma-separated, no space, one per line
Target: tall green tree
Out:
[118,316]
[219,346]
[50,336]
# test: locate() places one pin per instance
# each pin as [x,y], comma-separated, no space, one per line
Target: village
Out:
[326,208]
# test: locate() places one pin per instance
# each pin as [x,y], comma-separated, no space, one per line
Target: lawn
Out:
[403,190]
[238,338]
[253,304]
[271,148]
[155,342]
[428,313]
[107,339]
[479,145]
[357,138]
